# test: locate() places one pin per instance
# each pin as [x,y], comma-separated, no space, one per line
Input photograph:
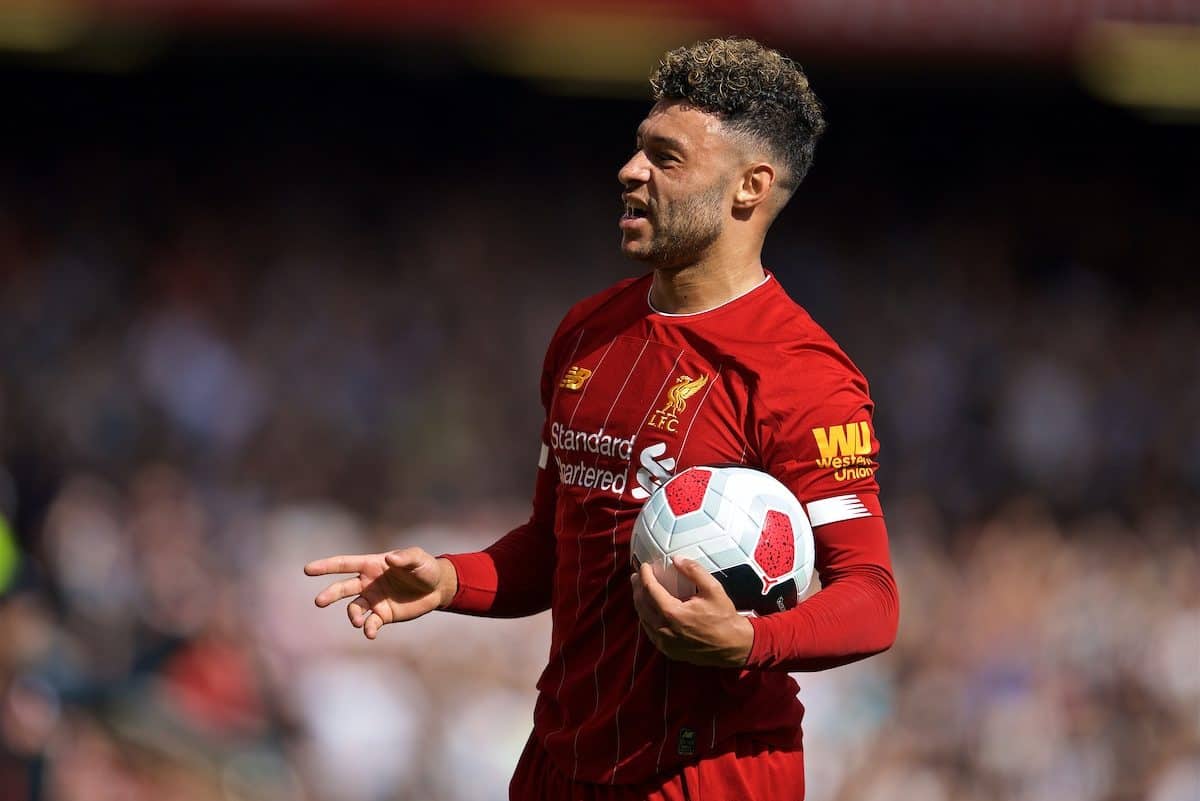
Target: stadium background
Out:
[275,281]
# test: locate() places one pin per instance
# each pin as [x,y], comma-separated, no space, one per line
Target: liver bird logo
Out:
[685,387]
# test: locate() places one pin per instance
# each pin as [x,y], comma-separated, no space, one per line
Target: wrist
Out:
[744,642]
[447,582]
[762,645]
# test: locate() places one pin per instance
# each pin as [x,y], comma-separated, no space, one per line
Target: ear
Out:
[755,186]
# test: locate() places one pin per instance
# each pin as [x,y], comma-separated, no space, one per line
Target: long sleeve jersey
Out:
[780,396]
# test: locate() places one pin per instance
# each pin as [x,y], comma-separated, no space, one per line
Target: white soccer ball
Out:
[741,525]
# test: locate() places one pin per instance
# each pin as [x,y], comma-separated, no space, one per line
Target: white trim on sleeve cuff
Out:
[836,509]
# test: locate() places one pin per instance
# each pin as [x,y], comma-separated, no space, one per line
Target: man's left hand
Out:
[705,629]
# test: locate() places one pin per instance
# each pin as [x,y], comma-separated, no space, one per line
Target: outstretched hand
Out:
[388,587]
[705,629]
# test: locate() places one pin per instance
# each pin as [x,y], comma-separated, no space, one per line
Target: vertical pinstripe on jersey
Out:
[637,637]
[579,574]
[637,646]
[667,672]
[613,539]
[666,708]
[578,600]
[713,740]
[695,415]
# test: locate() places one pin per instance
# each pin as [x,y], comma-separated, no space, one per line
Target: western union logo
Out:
[846,449]
[575,378]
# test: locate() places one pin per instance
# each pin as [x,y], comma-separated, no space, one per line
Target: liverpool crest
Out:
[667,418]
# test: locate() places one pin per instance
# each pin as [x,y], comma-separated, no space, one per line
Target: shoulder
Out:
[797,354]
[611,303]
[601,304]
[812,408]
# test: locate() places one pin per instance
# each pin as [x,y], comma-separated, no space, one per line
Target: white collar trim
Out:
[766,278]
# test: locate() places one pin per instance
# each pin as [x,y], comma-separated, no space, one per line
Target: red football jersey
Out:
[633,395]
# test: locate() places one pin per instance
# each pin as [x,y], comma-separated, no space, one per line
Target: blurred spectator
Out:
[252,361]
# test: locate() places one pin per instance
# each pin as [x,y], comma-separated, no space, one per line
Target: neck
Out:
[706,282]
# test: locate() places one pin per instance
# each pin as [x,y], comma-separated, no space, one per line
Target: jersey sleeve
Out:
[513,576]
[818,439]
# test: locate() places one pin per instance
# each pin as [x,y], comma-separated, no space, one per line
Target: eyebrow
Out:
[659,139]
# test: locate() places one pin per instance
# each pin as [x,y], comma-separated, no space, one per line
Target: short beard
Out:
[694,225]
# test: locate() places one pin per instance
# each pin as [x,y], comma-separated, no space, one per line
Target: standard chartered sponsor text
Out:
[582,474]
[568,439]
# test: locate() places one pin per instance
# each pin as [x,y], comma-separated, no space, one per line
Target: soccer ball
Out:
[741,525]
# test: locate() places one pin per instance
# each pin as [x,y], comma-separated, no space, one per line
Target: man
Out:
[646,696]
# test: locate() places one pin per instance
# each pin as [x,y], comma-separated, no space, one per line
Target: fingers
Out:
[403,595]
[700,630]
[338,590]
[371,612]
[652,621]
[648,616]
[406,559]
[380,615]
[647,612]
[370,618]
[358,610]
[348,563]
[706,583]
[666,603]
[372,625]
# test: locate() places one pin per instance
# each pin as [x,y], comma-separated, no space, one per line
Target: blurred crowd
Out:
[210,376]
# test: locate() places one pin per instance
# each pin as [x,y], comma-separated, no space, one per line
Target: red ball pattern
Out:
[776,550]
[685,492]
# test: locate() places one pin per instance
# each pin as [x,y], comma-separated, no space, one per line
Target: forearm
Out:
[853,618]
[855,615]
[511,578]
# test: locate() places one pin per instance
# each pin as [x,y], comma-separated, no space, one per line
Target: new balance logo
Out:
[575,378]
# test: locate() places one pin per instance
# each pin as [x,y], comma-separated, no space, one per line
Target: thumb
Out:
[405,559]
[706,584]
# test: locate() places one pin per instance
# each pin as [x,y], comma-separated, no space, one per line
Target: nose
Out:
[636,170]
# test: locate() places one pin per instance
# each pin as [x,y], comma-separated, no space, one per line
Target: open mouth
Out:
[634,213]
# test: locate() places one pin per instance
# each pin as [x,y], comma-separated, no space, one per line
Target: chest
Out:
[629,411]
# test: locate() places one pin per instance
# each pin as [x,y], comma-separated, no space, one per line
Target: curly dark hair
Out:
[754,90]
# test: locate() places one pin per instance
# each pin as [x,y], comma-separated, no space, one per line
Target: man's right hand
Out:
[390,587]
